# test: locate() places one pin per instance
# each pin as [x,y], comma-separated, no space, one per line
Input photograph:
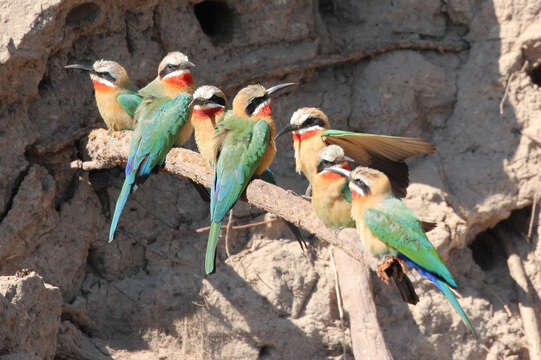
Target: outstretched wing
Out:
[398,227]
[385,153]
[240,155]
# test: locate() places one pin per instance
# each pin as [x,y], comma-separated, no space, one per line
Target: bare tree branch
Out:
[525,299]
[108,149]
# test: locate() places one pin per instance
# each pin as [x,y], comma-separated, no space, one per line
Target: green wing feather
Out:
[385,153]
[153,89]
[346,192]
[397,226]
[158,123]
[129,102]
[394,148]
[242,147]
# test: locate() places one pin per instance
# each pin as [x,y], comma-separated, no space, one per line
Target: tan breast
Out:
[204,137]
[370,242]
[329,203]
[307,155]
[112,113]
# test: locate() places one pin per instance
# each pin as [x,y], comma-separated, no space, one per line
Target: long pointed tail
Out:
[120,203]
[212,243]
[452,299]
[442,285]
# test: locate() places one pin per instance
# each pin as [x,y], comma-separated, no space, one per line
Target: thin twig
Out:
[532,216]
[227,232]
[239,227]
[338,302]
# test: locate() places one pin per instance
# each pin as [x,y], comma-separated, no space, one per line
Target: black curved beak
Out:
[289,128]
[80,67]
[277,88]
[338,170]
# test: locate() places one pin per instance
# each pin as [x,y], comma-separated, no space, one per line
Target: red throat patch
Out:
[306,135]
[265,110]
[99,86]
[329,175]
[182,80]
[210,112]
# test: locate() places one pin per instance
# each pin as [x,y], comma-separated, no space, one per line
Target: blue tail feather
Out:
[442,285]
[120,203]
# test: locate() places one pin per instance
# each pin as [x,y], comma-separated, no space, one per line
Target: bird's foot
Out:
[392,267]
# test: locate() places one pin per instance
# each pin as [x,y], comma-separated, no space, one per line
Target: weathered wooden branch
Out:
[356,292]
[525,299]
[108,149]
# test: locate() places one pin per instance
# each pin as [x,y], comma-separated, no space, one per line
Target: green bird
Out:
[388,228]
[116,96]
[244,149]
[159,121]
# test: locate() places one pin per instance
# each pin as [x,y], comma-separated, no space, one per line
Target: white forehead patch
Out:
[102,81]
[104,65]
[331,153]
[206,92]
[299,117]
[175,58]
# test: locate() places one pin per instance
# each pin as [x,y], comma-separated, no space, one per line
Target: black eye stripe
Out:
[106,76]
[254,103]
[168,69]
[313,121]
[361,184]
[217,100]
[324,164]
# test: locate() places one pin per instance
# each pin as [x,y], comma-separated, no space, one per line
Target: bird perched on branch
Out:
[388,228]
[115,94]
[244,149]
[331,198]
[159,121]
[311,133]
[209,105]
[174,77]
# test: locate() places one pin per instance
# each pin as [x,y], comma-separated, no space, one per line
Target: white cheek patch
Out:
[210,106]
[308,129]
[102,81]
[354,188]
[261,106]
[176,73]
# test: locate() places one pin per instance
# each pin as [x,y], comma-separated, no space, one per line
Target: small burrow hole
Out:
[83,15]
[535,74]
[266,352]
[487,249]
[216,20]
[326,7]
